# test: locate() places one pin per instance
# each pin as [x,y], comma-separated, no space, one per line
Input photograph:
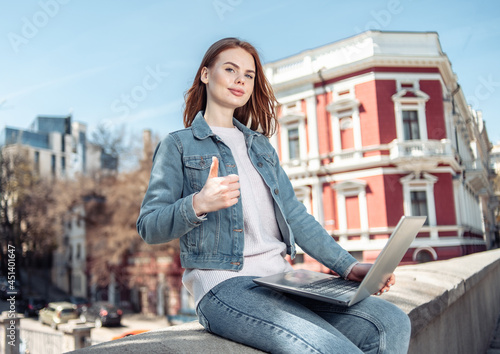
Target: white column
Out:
[357,133]
[406,200]
[317,196]
[363,216]
[337,144]
[312,124]
[342,215]
[432,210]
[422,124]
[458,212]
[302,142]
[399,121]
[274,142]
[111,288]
[160,303]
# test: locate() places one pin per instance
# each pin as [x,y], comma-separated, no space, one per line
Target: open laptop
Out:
[343,292]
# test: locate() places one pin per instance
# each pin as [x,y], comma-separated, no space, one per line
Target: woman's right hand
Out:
[218,192]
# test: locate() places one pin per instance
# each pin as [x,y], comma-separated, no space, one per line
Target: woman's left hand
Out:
[360,270]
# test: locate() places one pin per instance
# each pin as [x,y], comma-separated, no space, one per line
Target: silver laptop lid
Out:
[403,235]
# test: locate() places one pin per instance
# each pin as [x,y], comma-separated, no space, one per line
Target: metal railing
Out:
[41,342]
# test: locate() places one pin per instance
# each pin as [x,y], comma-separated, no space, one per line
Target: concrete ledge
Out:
[453,306]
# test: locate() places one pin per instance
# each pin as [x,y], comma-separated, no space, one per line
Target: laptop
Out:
[339,291]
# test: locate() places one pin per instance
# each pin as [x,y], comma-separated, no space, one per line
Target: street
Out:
[129,322]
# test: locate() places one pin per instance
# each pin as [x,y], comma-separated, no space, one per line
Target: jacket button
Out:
[276,191]
[260,164]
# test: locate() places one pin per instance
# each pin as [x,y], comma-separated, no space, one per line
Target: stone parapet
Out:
[453,306]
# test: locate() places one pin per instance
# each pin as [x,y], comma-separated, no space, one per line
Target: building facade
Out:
[374,127]
[58,148]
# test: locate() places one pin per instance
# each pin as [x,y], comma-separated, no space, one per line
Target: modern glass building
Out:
[58,146]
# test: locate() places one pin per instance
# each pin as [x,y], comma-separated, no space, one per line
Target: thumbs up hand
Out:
[218,192]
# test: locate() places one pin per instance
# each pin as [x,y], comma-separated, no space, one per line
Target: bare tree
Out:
[116,145]
[27,217]
[111,223]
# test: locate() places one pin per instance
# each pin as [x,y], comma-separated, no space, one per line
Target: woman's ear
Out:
[204,75]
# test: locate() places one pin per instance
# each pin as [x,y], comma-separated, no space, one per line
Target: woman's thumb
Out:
[214,169]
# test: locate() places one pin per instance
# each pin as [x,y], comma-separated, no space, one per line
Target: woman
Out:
[218,186]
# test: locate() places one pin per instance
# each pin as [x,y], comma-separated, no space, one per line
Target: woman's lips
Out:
[237,92]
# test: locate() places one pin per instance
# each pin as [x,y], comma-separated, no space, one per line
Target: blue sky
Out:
[89,57]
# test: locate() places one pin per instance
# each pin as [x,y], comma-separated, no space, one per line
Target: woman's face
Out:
[230,80]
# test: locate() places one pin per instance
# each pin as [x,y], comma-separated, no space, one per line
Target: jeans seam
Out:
[263,321]
[378,325]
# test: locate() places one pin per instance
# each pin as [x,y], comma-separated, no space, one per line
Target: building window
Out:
[293,134]
[352,208]
[424,257]
[346,126]
[53,165]
[63,165]
[409,107]
[37,161]
[410,125]
[418,192]
[303,194]
[78,251]
[419,204]
[294,144]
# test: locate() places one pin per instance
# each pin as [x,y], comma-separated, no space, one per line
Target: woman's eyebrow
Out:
[237,66]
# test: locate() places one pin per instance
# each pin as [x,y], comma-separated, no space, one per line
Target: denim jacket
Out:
[181,164]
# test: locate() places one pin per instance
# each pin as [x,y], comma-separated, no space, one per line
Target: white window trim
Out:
[289,121]
[303,194]
[402,103]
[346,107]
[414,183]
[348,189]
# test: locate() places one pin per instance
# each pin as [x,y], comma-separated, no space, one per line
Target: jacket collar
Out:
[201,130]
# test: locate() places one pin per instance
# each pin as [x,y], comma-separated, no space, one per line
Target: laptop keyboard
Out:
[331,286]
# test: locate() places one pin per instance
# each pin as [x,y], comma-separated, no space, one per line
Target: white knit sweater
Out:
[264,250]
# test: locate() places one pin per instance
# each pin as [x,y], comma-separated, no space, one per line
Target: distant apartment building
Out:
[495,158]
[376,126]
[59,149]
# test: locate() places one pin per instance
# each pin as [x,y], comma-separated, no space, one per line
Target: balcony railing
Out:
[420,148]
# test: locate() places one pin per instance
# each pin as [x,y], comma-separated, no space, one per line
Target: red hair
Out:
[259,111]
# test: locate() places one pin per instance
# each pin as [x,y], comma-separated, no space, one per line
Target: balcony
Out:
[478,175]
[421,155]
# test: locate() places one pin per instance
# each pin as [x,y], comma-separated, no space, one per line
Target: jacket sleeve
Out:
[309,234]
[165,213]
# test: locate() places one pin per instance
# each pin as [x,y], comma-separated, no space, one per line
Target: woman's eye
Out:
[249,76]
[230,70]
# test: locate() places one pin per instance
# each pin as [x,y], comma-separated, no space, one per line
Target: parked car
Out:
[31,305]
[80,302]
[102,314]
[57,313]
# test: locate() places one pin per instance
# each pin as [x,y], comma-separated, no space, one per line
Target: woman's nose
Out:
[240,79]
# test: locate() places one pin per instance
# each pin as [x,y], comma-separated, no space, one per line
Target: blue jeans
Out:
[242,311]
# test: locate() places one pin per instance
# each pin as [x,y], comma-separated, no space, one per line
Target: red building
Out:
[376,126]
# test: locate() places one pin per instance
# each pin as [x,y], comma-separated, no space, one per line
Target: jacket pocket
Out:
[196,169]
[269,158]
